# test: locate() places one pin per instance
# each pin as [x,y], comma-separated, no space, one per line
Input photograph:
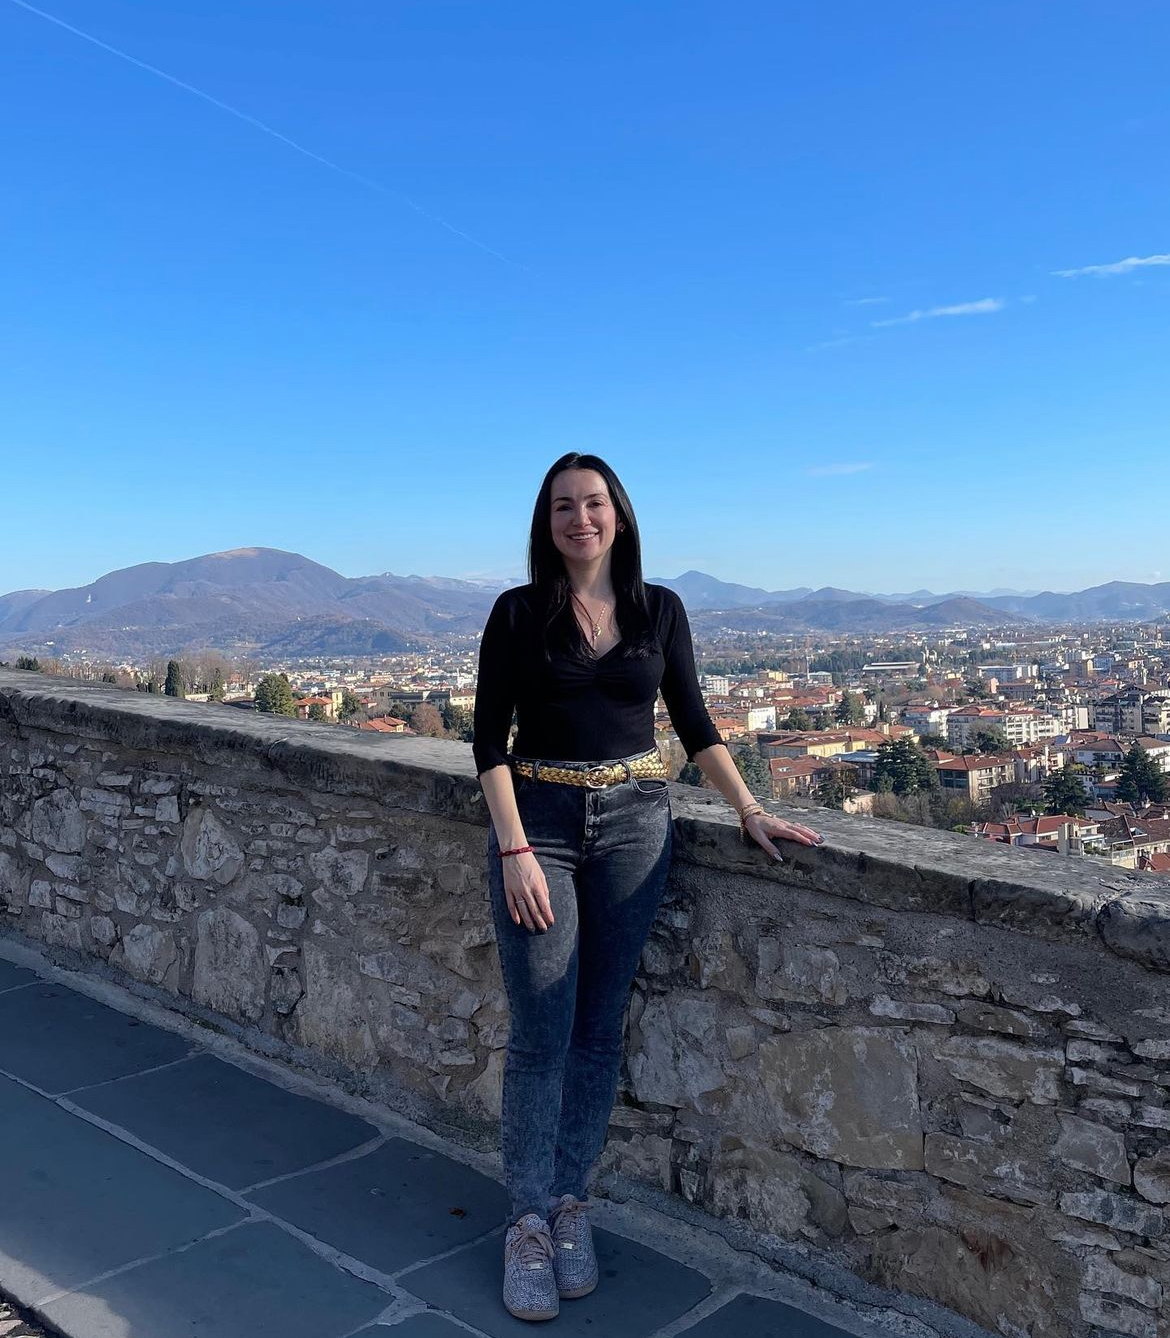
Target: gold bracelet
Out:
[748,811]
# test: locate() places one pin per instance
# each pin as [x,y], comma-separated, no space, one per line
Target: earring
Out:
[621,527]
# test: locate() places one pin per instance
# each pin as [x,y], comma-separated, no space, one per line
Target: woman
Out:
[579,844]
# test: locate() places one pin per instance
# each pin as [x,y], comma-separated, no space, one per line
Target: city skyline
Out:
[876,302]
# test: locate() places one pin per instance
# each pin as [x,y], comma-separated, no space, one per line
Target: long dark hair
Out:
[546,568]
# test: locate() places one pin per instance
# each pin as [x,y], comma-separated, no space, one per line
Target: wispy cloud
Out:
[865,301]
[840,467]
[1125,266]
[984,307]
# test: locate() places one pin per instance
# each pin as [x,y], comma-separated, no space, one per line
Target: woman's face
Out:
[584,522]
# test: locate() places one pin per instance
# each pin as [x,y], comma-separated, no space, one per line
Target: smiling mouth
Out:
[591,535]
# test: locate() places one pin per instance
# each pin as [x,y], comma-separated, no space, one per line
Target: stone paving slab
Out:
[639,1292]
[227,1124]
[12,975]
[417,1326]
[253,1282]
[394,1206]
[75,1202]
[57,1039]
[757,1317]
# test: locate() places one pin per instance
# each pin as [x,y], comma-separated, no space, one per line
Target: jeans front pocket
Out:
[649,785]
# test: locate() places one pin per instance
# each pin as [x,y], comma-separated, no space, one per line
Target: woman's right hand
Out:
[527,892]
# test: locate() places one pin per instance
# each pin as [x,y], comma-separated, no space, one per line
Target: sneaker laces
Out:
[529,1245]
[568,1220]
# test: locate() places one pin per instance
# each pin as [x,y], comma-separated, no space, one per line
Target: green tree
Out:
[849,710]
[109,676]
[690,774]
[458,723]
[28,662]
[317,712]
[274,695]
[903,768]
[935,741]
[754,770]
[1142,781]
[976,688]
[798,719]
[990,741]
[835,789]
[215,686]
[174,686]
[1064,791]
[349,707]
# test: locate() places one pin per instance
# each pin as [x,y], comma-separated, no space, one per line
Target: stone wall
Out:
[940,1064]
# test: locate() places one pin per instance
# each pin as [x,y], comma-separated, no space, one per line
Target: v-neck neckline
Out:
[597,659]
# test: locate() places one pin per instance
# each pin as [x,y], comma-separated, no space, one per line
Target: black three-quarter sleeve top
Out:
[573,711]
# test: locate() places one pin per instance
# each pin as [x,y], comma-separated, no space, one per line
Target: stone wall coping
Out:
[882,863]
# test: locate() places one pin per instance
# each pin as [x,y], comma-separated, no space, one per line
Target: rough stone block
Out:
[1117,1317]
[849,1094]
[1009,1021]
[210,854]
[230,971]
[981,1166]
[148,953]
[881,1005]
[799,972]
[58,822]
[1103,1275]
[1117,1211]
[1004,1068]
[1093,1148]
[1151,1176]
[773,1191]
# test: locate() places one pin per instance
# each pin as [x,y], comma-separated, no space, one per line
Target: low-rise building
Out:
[975,777]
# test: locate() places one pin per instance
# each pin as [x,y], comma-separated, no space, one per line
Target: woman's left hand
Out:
[761,827]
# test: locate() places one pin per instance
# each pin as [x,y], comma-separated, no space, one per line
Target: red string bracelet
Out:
[520,850]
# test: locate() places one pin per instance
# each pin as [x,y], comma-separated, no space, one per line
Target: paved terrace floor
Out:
[150,1187]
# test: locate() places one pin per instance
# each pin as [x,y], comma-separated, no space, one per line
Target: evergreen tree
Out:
[215,688]
[990,741]
[835,789]
[109,676]
[798,719]
[1142,781]
[903,768]
[174,686]
[349,707]
[690,774]
[849,711]
[458,723]
[1064,791]
[754,770]
[28,662]
[274,695]
[317,712]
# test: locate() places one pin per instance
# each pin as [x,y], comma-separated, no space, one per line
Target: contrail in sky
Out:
[267,129]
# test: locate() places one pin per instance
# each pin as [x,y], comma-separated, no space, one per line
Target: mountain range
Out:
[267,602]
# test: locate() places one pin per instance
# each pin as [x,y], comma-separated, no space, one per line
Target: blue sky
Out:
[795,270]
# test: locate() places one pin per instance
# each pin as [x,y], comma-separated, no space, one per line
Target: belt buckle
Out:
[596,784]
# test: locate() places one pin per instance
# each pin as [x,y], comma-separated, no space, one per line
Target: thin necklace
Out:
[594,625]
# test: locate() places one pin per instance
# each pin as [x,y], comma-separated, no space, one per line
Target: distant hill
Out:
[1116,600]
[268,601]
[856,614]
[244,601]
[697,590]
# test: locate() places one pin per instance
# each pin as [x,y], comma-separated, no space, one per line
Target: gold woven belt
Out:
[648,766]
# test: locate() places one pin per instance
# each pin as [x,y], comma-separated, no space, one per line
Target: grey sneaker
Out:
[530,1287]
[574,1262]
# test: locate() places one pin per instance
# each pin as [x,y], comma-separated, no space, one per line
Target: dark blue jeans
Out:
[605,855]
